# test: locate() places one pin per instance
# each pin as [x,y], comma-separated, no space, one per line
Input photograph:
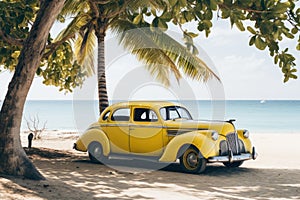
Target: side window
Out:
[184,113]
[173,113]
[153,116]
[106,115]
[163,113]
[122,114]
[144,115]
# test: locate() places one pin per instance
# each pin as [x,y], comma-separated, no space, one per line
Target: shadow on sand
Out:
[75,177]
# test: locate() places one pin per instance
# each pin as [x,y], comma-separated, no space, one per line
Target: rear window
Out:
[122,114]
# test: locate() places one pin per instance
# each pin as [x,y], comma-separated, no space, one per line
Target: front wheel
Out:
[192,161]
[95,151]
[233,164]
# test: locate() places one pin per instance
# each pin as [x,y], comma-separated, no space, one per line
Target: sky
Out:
[245,72]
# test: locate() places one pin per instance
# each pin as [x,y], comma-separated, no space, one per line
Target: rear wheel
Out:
[233,164]
[95,151]
[192,161]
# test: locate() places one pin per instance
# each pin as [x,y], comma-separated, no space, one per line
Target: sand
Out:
[70,175]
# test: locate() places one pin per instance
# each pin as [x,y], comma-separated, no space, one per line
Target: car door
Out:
[117,130]
[146,133]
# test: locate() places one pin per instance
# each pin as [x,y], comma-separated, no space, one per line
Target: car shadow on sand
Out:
[71,176]
[217,181]
[137,166]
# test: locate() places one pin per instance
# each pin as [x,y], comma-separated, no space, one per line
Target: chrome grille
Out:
[223,148]
[232,140]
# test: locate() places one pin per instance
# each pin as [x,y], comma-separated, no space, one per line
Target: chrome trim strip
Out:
[174,132]
[178,131]
[188,129]
[115,125]
[149,126]
[131,125]
[145,126]
[245,156]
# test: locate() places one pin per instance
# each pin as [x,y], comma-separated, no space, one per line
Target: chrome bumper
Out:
[234,158]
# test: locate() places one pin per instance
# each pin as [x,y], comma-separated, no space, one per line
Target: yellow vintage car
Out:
[165,131]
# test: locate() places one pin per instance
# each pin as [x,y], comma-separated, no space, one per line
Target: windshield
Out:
[174,112]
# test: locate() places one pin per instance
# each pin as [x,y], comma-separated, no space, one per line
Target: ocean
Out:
[271,116]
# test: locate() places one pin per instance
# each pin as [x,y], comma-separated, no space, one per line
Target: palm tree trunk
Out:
[102,91]
[13,158]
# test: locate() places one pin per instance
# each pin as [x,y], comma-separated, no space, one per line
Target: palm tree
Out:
[162,54]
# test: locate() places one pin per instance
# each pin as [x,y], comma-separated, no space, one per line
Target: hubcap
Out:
[192,159]
[97,152]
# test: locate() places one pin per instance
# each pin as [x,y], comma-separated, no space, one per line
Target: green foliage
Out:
[150,19]
[15,18]
[58,69]
[270,22]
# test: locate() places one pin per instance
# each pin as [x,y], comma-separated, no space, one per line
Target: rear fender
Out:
[200,139]
[93,135]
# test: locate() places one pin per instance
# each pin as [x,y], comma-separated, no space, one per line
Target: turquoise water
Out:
[256,116]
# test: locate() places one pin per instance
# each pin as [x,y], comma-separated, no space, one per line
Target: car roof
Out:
[147,103]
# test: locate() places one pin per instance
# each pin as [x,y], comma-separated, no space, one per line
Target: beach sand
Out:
[275,174]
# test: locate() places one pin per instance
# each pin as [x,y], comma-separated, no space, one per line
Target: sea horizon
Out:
[261,116]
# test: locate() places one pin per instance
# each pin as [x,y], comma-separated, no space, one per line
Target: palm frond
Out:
[85,50]
[84,44]
[139,42]
[72,7]
[189,63]
[78,22]
[161,53]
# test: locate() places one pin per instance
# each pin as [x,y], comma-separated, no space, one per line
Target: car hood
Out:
[219,126]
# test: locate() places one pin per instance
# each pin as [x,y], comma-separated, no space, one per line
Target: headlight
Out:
[246,133]
[215,135]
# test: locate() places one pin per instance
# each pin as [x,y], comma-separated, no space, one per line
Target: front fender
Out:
[200,139]
[91,135]
[247,141]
